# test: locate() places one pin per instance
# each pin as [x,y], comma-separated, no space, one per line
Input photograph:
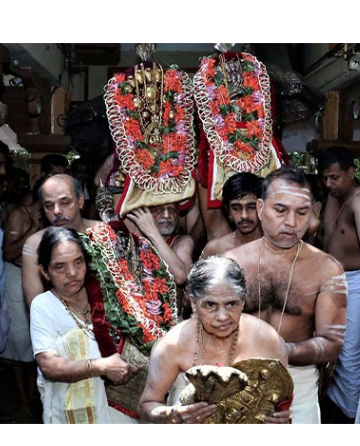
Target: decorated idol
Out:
[150,113]
[233,100]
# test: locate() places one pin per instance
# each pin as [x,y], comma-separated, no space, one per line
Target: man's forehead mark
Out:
[293,191]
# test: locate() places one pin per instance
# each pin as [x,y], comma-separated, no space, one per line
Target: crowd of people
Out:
[273,279]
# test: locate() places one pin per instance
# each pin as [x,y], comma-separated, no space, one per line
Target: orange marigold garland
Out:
[244,145]
[145,309]
[168,170]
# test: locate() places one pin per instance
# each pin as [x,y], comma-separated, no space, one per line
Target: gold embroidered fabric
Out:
[80,402]
[221,173]
[127,395]
[137,197]
[245,393]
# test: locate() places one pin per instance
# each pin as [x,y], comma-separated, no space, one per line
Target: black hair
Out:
[53,159]
[78,189]
[205,272]
[52,236]
[336,154]
[288,174]
[4,149]
[239,185]
[79,162]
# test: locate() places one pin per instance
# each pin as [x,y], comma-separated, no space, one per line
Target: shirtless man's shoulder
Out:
[322,261]
[34,239]
[219,245]
[245,251]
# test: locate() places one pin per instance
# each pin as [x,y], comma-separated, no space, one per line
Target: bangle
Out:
[89,368]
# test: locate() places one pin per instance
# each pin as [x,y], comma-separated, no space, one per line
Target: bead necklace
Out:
[261,249]
[200,352]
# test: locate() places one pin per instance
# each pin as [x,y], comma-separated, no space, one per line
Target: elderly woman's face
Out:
[219,310]
[67,268]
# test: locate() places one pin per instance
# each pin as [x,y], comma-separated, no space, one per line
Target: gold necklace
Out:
[200,352]
[261,248]
[83,325]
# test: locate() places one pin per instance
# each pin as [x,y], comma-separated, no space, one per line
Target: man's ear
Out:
[259,207]
[81,201]
[351,172]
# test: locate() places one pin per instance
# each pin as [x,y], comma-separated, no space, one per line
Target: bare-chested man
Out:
[341,235]
[62,198]
[298,289]
[158,224]
[239,196]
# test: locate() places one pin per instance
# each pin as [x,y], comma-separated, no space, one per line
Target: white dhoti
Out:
[305,406]
[18,346]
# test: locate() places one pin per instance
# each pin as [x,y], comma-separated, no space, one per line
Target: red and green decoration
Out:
[169,169]
[242,145]
[138,301]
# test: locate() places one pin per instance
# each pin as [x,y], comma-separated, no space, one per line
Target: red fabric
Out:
[203,157]
[101,325]
[123,410]
[123,195]
[171,239]
[284,405]
[280,149]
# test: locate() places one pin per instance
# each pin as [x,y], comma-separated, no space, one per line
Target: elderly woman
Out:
[69,360]
[219,334]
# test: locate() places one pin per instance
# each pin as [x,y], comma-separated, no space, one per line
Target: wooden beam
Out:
[316,147]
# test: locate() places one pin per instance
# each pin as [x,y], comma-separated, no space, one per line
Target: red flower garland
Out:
[144,309]
[244,145]
[170,170]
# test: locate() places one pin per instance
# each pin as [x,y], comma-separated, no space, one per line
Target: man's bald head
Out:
[62,178]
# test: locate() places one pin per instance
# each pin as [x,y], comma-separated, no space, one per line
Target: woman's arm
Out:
[56,368]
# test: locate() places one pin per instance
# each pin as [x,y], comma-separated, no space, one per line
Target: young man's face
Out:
[243,213]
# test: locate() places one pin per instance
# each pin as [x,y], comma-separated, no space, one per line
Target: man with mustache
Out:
[341,232]
[298,289]
[159,224]
[240,193]
[62,198]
